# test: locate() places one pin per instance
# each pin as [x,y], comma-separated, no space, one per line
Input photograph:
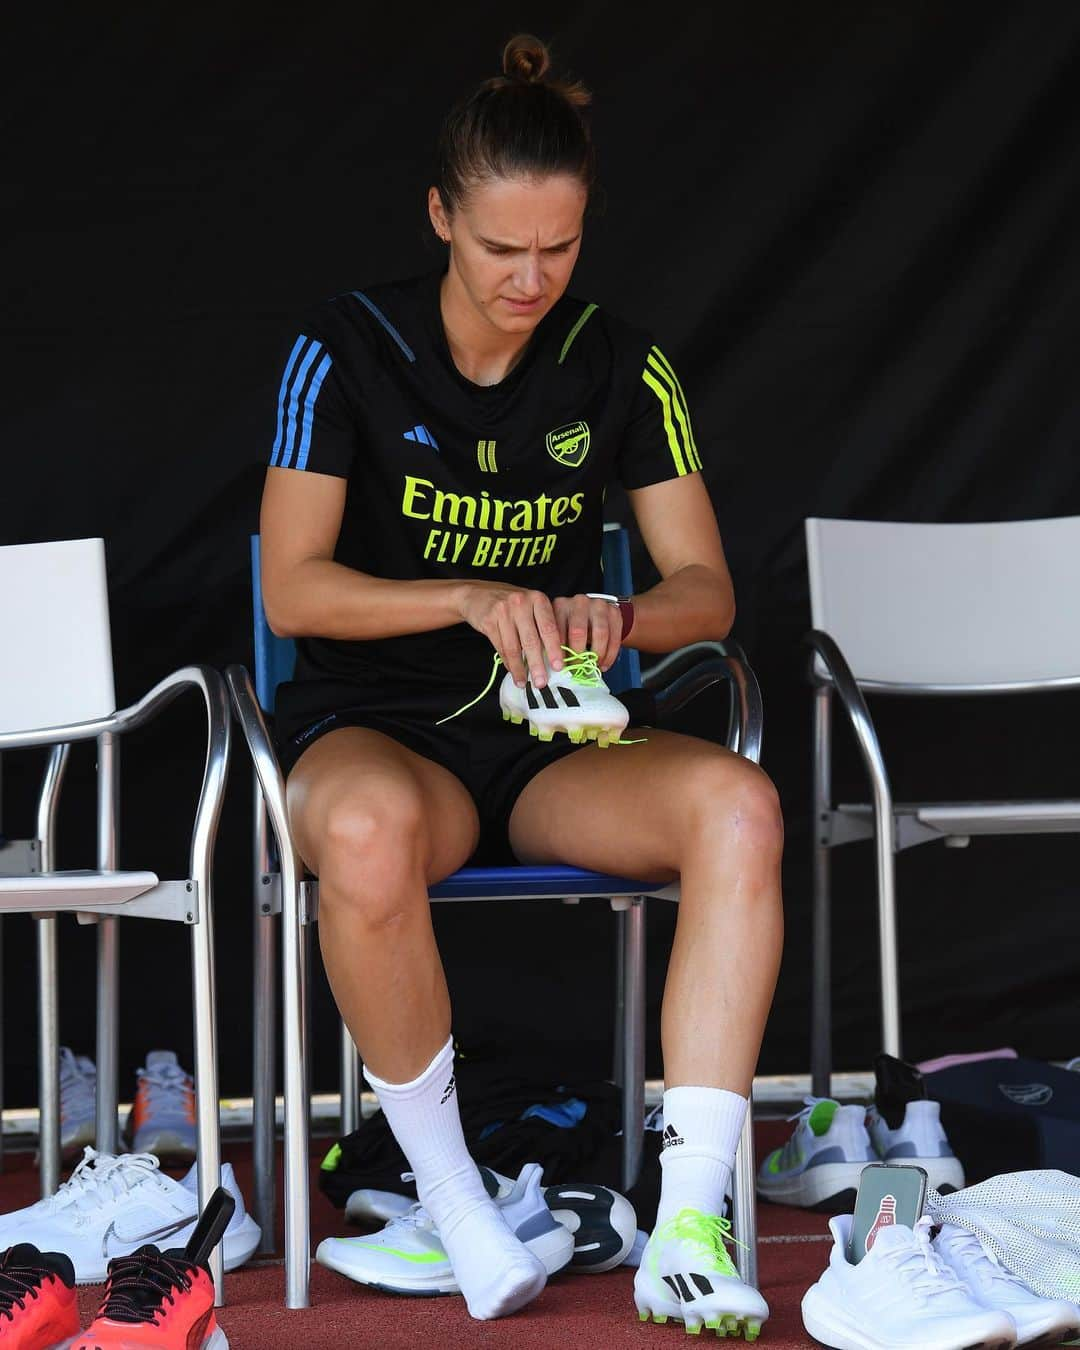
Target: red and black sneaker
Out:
[38,1307]
[155,1298]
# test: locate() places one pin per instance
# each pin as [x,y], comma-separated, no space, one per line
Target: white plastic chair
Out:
[56,688]
[918,609]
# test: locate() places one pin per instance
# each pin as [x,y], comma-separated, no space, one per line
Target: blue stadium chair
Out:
[281,885]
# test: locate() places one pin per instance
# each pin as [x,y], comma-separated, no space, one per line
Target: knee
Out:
[737,807]
[372,862]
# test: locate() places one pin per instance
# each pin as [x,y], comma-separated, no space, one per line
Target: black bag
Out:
[570,1128]
[1009,1115]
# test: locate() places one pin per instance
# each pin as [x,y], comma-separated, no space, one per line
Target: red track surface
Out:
[574,1310]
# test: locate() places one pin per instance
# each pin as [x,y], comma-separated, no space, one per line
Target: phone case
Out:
[889,1193]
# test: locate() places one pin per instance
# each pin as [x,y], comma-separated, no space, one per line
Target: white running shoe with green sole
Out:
[575,702]
[408,1257]
[686,1275]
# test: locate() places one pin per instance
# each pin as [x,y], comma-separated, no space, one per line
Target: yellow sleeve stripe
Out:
[672,436]
[661,379]
[663,365]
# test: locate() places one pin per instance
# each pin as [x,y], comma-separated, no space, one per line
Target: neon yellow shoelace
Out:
[706,1231]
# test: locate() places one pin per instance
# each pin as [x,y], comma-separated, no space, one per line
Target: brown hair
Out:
[518,124]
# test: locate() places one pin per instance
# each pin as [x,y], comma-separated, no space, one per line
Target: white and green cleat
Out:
[686,1275]
[575,702]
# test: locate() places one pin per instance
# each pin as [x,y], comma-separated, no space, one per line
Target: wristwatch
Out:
[624,604]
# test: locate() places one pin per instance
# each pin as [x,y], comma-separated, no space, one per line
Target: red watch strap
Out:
[626,609]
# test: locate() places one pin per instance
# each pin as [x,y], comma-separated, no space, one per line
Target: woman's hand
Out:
[588,624]
[516,621]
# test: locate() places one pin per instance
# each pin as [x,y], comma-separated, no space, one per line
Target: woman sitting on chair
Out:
[434,498]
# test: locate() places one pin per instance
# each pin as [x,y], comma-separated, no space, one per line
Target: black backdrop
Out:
[852,226]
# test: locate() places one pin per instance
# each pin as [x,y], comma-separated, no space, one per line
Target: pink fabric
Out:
[949,1061]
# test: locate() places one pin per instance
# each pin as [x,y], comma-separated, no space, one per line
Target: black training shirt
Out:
[451,479]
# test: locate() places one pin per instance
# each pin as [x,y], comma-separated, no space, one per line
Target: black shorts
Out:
[492,758]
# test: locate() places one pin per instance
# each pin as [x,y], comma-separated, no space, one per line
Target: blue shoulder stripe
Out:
[310,356]
[309,409]
[374,310]
[283,394]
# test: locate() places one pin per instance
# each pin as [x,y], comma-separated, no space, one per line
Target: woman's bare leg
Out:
[378,824]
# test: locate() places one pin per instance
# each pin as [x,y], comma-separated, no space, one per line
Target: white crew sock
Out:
[497,1273]
[702,1126]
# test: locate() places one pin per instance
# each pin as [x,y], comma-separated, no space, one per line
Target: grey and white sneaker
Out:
[905,1125]
[162,1116]
[820,1165]
[78,1101]
[918,1140]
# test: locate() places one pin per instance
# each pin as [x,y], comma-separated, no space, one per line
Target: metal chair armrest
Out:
[268,771]
[862,724]
[208,812]
[679,677]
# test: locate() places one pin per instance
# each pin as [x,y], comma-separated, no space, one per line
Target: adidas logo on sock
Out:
[448,1091]
[671,1137]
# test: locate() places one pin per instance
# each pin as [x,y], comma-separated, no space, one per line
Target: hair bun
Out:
[526,58]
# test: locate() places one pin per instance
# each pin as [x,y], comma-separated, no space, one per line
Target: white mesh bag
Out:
[1029,1220]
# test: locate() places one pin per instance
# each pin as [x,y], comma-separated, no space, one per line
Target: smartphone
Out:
[889,1193]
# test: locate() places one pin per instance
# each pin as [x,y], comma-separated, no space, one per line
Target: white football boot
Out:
[110,1206]
[901,1294]
[408,1257]
[1039,1321]
[820,1165]
[687,1275]
[919,1141]
[575,701]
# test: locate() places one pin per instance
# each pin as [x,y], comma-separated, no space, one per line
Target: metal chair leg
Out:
[48,1058]
[620,991]
[633,1097]
[888,943]
[821,943]
[263,1078]
[744,1212]
[350,1082]
[107,1126]
[48,984]
[294,1036]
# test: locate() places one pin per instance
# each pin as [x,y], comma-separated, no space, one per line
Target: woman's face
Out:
[514,243]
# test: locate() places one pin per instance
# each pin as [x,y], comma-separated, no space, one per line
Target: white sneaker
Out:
[366,1204]
[110,1206]
[1039,1321]
[820,1165]
[162,1116]
[78,1101]
[687,1274]
[901,1294]
[407,1256]
[603,1223]
[919,1141]
[575,701]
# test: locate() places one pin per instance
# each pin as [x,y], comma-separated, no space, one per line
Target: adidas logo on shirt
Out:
[671,1137]
[420,433]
